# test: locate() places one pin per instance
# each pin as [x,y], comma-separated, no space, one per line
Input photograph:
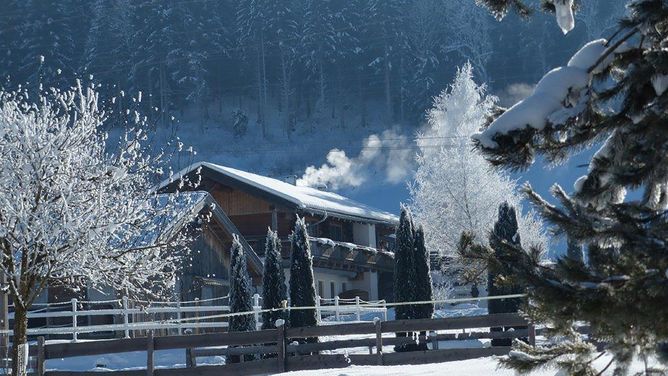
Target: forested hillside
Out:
[277,64]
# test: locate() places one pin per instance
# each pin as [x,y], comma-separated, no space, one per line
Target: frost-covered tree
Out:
[563,9]
[600,21]
[389,29]
[447,196]
[107,49]
[302,285]
[48,45]
[75,210]
[613,94]
[274,292]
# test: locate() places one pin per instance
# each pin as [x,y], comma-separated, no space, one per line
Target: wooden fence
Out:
[277,351]
[130,319]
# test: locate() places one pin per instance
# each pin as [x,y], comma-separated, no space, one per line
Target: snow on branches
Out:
[71,212]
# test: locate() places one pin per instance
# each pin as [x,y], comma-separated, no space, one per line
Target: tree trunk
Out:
[19,366]
[285,94]
[264,84]
[322,83]
[388,93]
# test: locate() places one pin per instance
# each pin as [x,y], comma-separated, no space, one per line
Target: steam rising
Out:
[389,153]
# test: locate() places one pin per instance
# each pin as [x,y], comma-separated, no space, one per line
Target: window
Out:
[344,288]
[312,229]
[332,289]
[321,289]
[336,232]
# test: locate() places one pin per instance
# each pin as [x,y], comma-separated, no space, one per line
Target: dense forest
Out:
[291,59]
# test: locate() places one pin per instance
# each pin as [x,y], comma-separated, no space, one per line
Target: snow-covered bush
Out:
[71,211]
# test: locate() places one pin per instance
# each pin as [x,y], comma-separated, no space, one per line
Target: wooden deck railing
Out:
[275,350]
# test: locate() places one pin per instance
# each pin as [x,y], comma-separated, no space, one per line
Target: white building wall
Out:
[368,282]
[364,234]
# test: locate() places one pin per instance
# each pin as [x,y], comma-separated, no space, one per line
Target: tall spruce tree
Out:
[302,288]
[241,290]
[619,97]
[423,290]
[405,277]
[505,231]
[404,266]
[274,292]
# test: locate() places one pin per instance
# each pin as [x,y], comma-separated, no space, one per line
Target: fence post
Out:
[357,306]
[75,335]
[256,309]
[191,359]
[125,317]
[280,343]
[532,334]
[150,346]
[196,322]
[379,341]
[336,308]
[318,311]
[40,356]
[178,317]
[434,340]
[385,309]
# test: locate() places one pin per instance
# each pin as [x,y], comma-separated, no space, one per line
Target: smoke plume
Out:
[390,154]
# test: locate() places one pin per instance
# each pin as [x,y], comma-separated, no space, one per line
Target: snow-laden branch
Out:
[70,210]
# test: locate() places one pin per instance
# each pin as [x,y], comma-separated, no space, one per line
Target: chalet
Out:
[350,241]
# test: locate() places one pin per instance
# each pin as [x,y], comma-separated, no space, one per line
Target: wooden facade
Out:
[252,211]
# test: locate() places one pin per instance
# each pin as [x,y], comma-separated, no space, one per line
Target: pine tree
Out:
[574,250]
[49,40]
[404,266]
[505,231]
[274,292]
[406,283]
[12,35]
[423,291]
[241,290]
[389,28]
[620,293]
[302,287]
[107,49]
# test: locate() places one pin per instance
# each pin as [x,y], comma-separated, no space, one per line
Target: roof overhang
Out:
[206,172]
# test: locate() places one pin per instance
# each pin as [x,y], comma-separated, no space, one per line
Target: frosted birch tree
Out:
[455,190]
[71,212]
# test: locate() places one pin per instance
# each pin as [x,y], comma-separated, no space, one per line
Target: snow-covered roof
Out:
[305,198]
[184,207]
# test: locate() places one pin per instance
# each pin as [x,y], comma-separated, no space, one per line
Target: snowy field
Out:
[481,366]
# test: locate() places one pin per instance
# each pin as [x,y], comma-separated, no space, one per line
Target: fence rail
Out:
[169,317]
[276,350]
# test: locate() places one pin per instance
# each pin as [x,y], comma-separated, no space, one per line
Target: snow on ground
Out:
[480,366]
